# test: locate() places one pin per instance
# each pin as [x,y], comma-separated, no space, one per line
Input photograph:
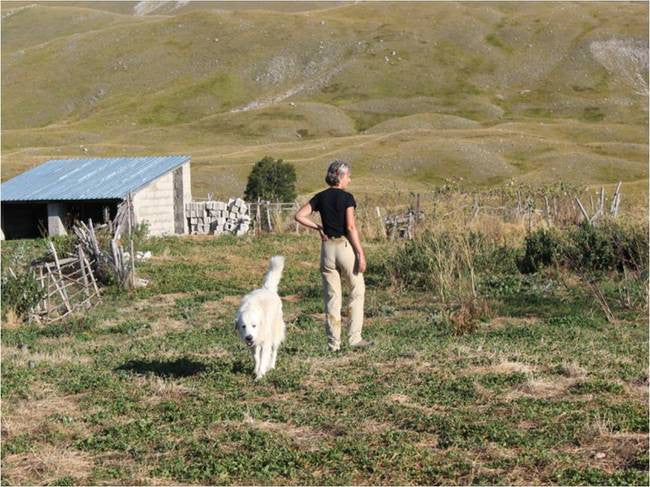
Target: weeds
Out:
[433,402]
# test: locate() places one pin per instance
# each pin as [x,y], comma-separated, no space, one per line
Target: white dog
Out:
[259,319]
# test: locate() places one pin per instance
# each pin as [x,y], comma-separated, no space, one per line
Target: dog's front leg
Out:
[265,361]
[274,356]
[257,358]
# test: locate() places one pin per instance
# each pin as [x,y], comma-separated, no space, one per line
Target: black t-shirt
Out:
[332,204]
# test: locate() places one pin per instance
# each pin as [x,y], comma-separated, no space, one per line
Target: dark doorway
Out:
[24,220]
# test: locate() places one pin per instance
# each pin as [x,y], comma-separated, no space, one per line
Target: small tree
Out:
[272,180]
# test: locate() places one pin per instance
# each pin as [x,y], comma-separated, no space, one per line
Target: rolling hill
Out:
[410,93]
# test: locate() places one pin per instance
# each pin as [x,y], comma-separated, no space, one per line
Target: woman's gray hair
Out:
[335,172]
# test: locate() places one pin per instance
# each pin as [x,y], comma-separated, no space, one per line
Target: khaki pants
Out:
[337,257]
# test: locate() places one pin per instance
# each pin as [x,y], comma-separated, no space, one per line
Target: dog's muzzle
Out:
[249,341]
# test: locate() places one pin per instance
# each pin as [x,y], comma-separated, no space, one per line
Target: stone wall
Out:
[154,205]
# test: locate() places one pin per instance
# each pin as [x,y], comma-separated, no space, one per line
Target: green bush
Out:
[607,247]
[271,180]
[542,248]
[20,291]
[610,246]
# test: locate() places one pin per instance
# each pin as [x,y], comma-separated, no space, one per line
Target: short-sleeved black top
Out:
[332,204]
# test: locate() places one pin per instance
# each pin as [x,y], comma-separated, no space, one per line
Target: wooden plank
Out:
[64,297]
[92,277]
[83,270]
[58,267]
[582,209]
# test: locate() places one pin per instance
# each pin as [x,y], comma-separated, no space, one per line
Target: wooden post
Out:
[46,287]
[582,209]
[614,204]
[83,270]
[382,225]
[132,264]
[268,216]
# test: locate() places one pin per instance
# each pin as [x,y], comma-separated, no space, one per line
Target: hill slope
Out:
[410,93]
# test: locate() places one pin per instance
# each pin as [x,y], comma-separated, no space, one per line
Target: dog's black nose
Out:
[249,338]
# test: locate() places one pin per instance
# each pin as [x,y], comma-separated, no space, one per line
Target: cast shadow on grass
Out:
[178,368]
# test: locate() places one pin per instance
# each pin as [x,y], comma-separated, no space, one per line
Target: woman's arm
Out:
[301,217]
[353,236]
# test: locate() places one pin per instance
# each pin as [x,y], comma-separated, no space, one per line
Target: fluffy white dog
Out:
[259,319]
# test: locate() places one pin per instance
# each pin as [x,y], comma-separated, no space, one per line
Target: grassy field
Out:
[154,387]
[411,94]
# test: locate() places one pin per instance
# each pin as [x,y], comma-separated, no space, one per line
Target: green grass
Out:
[155,386]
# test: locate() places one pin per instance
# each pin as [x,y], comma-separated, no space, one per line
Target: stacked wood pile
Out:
[110,264]
[70,283]
[218,217]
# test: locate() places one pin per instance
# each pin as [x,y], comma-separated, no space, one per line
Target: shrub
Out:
[610,246]
[21,291]
[542,248]
[442,262]
[271,180]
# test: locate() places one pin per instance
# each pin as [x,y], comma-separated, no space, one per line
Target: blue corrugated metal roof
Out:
[87,179]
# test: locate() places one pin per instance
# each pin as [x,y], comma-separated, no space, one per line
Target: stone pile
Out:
[218,217]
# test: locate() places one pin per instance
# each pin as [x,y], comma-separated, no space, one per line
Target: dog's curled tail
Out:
[273,275]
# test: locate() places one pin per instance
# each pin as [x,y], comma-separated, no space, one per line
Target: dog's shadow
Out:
[178,368]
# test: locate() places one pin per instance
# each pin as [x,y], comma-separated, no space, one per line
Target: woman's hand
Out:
[361,260]
[321,232]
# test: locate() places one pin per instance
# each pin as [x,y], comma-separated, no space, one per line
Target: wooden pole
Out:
[83,270]
[582,209]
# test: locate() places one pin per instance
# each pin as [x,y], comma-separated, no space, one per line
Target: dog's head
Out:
[248,324]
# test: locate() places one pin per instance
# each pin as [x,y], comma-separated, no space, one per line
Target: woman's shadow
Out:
[178,368]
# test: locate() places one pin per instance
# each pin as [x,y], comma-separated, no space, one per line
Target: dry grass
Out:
[542,388]
[25,357]
[503,367]
[45,465]
[35,415]
[12,320]
[305,437]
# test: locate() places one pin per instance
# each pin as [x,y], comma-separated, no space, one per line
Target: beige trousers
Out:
[337,257]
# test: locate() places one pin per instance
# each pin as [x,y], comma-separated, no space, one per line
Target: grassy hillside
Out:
[410,93]
[155,388]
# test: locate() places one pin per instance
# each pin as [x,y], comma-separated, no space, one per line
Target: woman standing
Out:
[341,253]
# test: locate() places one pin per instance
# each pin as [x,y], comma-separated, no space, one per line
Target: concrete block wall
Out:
[154,205]
[218,217]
